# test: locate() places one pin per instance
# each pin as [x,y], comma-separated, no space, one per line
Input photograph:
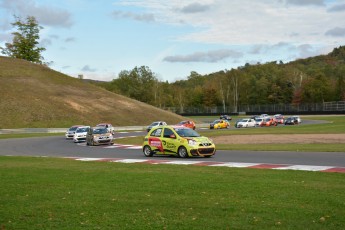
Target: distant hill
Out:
[33,96]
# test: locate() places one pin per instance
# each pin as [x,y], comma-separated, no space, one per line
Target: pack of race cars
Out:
[179,140]
[100,134]
[264,120]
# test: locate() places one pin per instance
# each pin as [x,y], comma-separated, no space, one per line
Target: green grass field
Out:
[48,193]
[28,135]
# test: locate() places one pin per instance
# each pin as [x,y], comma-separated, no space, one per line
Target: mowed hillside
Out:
[33,96]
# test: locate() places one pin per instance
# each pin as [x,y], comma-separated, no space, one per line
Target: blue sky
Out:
[101,38]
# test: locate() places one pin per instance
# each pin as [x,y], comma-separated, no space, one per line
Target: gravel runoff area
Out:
[280,138]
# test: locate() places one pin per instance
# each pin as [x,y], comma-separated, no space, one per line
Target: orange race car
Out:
[268,121]
[188,124]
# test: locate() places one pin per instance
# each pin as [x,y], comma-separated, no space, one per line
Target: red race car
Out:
[189,124]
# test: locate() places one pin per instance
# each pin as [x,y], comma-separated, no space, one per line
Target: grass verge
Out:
[27,135]
[285,147]
[48,193]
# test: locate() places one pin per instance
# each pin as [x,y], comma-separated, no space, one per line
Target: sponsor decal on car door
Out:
[169,139]
[156,143]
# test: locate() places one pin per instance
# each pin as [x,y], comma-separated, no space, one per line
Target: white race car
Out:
[248,122]
[80,134]
[70,132]
[108,126]
[154,124]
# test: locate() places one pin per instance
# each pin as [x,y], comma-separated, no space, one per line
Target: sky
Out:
[99,39]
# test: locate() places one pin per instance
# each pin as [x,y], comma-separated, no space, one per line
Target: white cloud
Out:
[44,14]
[70,39]
[195,7]
[306,2]
[336,32]
[210,56]
[87,68]
[135,16]
[246,21]
[337,8]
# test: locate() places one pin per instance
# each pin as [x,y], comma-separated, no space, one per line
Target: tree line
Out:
[312,80]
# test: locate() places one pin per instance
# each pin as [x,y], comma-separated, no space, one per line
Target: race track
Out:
[58,146]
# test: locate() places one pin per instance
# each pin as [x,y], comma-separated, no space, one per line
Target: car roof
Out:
[84,126]
[98,127]
[172,127]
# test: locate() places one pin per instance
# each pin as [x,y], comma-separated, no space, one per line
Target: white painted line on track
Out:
[114,146]
[235,165]
[305,168]
[89,159]
[130,161]
[134,147]
[124,137]
[181,162]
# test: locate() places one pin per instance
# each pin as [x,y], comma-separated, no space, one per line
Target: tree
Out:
[139,83]
[25,41]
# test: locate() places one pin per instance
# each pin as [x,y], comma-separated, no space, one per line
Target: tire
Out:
[182,152]
[147,151]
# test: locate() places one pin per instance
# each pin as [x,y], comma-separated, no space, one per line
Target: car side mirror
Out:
[172,136]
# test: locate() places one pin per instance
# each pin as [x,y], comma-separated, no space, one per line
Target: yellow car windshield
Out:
[187,132]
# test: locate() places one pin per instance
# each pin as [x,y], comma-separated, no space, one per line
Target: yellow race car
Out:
[177,141]
[220,124]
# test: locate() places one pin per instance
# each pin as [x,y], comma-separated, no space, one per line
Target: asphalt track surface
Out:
[58,146]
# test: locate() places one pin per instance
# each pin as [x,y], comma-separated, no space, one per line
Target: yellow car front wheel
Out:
[182,152]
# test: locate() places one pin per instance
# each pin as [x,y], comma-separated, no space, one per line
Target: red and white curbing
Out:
[114,146]
[123,146]
[221,164]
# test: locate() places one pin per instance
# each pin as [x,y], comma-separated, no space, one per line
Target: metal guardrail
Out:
[60,130]
[63,130]
[33,130]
